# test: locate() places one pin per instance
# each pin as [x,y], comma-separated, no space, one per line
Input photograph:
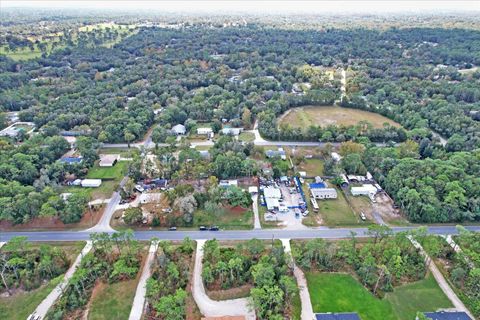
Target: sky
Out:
[268,6]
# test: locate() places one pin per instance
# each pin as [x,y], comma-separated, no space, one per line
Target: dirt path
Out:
[307,310]
[209,307]
[442,283]
[256,217]
[47,303]
[139,300]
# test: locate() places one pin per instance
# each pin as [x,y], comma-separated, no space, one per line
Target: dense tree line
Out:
[266,269]
[25,267]
[167,287]
[384,261]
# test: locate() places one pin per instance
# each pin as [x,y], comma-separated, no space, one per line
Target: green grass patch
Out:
[113,301]
[337,212]
[21,305]
[423,295]
[229,220]
[246,137]
[334,292]
[117,172]
[313,167]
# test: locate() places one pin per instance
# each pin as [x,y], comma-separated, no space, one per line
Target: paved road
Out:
[325,233]
[103,224]
[442,283]
[307,310]
[48,302]
[139,301]
[212,308]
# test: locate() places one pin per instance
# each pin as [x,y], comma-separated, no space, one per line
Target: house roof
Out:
[319,185]
[272,192]
[444,315]
[337,316]
[179,128]
[71,160]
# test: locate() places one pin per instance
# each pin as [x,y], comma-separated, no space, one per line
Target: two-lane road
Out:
[325,233]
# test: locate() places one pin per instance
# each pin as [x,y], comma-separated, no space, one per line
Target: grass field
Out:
[21,305]
[313,167]
[113,301]
[230,220]
[323,116]
[332,292]
[117,172]
[246,137]
[337,212]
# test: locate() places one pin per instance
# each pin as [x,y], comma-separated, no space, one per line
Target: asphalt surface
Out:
[325,233]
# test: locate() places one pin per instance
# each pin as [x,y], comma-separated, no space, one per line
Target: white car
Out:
[139,188]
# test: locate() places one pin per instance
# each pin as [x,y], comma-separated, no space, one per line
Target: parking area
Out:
[285,203]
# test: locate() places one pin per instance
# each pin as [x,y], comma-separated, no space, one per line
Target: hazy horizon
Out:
[260,7]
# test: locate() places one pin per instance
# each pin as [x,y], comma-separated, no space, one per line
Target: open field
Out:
[337,212]
[313,167]
[332,292]
[21,305]
[230,220]
[113,301]
[246,137]
[117,172]
[304,117]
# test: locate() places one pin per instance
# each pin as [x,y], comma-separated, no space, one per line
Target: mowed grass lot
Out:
[230,220]
[333,292]
[117,172]
[313,167]
[113,301]
[21,305]
[304,117]
[246,137]
[337,212]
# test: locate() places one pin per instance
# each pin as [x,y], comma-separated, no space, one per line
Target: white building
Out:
[336,157]
[179,129]
[324,193]
[228,183]
[108,160]
[204,131]
[253,190]
[232,131]
[364,190]
[272,196]
[91,183]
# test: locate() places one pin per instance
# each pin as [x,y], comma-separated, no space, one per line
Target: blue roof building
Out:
[445,315]
[71,160]
[337,316]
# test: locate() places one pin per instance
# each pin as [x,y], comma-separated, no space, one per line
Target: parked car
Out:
[305,213]
[139,188]
[362,215]
[172,229]
[202,228]
[214,228]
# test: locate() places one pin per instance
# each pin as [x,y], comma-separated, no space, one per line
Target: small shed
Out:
[91,183]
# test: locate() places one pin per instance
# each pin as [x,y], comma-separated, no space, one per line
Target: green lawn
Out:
[117,172]
[21,305]
[230,220]
[423,295]
[337,212]
[114,301]
[313,167]
[333,292]
[246,137]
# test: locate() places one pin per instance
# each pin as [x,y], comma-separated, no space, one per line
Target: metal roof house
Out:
[179,129]
[280,153]
[108,160]
[232,131]
[444,315]
[337,316]
[365,190]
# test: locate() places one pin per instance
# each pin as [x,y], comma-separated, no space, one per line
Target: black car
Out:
[202,228]
[214,228]
[172,229]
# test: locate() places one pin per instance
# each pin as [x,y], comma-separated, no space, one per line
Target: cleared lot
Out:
[324,116]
